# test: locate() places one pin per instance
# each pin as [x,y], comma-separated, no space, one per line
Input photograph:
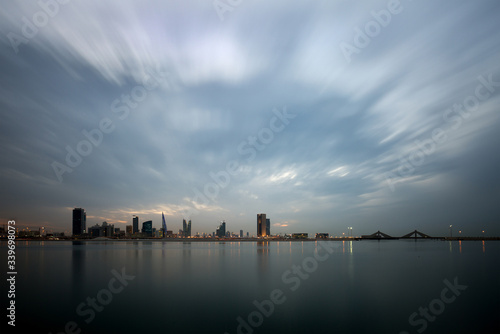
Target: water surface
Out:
[204,287]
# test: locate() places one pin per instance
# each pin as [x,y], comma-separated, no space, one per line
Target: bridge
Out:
[412,235]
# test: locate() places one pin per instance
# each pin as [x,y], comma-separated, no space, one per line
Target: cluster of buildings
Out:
[146,229]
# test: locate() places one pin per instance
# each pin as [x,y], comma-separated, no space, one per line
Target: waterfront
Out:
[201,287]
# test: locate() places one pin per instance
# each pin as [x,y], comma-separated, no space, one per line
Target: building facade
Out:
[105,230]
[261,225]
[221,231]
[186,228]
[147,228]
[79,221]
[135,224]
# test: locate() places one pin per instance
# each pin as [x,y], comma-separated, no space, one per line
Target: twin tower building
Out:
[263,225]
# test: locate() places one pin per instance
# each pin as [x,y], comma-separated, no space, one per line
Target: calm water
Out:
[198,287]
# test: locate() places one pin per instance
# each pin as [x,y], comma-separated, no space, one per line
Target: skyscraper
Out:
[221,231]
[135,224]
[147,228]
[164,225]
[261,225]
[79,221]
[186,228]
[268,226]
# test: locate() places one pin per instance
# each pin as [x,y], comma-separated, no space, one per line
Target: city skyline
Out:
[308,116]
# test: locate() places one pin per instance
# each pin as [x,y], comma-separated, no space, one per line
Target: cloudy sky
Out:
[322,114]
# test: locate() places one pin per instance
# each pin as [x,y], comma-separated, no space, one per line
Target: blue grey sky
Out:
[380,115]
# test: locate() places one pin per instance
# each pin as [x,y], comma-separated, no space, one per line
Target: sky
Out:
[375,115]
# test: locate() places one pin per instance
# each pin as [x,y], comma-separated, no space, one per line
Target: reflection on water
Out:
[363,286]
[77,266]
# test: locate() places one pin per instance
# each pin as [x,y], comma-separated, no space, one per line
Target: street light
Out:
[450,231]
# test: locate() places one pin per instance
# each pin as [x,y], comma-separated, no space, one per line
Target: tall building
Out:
[261,225]
[241,233]
[163,225]
[186,228]
[268,226]
[147,228]
[221,231]
[128,230]
[135,224]
[79,221]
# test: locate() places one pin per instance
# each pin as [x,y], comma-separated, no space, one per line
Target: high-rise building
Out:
[241,233]
[128,230]
[163,225]
[268,226]
[147,228]
[261,225]
[135,224]
[221,231]
[186,228]
[79,221]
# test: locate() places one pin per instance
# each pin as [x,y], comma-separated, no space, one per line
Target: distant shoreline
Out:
[262,240]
